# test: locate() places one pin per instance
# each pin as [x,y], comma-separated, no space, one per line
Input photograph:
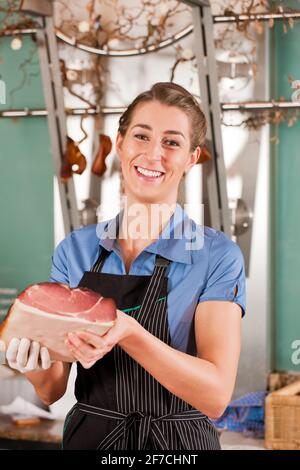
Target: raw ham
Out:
[46,312]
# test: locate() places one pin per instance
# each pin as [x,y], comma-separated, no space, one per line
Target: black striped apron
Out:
[120,405]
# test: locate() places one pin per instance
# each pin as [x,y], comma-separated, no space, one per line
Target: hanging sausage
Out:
[105,146]
[73,161]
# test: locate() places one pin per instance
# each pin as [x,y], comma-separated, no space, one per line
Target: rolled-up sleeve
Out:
[59,268]
[226,273]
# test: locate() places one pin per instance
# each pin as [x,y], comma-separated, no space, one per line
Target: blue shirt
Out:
[210,269]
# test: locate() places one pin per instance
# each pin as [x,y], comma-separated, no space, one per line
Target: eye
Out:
[140,135]
[173,143]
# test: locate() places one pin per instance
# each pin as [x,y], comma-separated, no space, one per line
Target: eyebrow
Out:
[170,131]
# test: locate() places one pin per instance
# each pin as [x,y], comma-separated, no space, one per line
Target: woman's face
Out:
[155,152]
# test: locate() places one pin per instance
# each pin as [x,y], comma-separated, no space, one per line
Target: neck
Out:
[142,223]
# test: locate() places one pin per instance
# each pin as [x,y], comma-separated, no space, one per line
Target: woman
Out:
[169,363]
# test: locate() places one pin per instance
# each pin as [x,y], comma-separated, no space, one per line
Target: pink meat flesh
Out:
[73,302]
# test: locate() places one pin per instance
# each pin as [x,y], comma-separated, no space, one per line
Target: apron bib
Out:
[119,404]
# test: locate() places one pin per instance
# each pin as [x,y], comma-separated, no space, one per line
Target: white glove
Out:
[26,356]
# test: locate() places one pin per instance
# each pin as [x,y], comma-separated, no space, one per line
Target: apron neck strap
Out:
[153,291]
[160,262]
[97,267]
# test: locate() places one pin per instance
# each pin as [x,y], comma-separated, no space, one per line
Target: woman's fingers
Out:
[33,358]
[45,358]
[85,361]
[91,338]
[23,351]
[12,350]
[84,348]
[79,346]
[26,355]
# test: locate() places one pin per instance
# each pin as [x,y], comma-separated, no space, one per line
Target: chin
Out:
[144,195]
[149,199]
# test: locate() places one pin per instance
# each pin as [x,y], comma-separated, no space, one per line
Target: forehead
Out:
[160,116]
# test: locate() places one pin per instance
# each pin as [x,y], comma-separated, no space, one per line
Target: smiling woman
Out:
[169,363]
[153,152]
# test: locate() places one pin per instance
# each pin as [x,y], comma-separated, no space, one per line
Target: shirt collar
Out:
[173,242]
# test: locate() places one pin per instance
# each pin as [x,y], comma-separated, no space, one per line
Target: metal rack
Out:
[215,199]
[53,91]
[217,19]
[243,106]
[217,212]
[215,193]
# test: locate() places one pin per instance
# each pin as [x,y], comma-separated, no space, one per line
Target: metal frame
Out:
[216,205]
[217,212]
[53,92]
[242,106]
[215,198]
[217,19]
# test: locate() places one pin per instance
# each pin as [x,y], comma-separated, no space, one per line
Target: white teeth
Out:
[145,172]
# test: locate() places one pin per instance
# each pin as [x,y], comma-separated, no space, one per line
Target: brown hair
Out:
[171,94]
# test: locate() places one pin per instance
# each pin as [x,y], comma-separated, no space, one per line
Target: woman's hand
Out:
[87,348]
[27,356]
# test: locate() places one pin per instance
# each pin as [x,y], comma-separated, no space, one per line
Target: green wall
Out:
[26,175]
[285,201]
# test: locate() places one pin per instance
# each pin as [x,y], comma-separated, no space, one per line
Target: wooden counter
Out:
[46,435]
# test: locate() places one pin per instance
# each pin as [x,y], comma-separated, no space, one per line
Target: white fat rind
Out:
[73,316]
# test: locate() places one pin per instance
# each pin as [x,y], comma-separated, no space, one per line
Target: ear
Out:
[194,157]
[119,141]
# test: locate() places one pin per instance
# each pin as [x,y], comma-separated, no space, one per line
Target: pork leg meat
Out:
[47,311]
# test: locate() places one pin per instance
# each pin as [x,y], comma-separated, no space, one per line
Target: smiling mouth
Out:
[146,173]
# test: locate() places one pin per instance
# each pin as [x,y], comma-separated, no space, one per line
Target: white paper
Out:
[22,407]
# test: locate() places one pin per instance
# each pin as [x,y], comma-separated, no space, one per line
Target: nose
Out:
[154,150]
